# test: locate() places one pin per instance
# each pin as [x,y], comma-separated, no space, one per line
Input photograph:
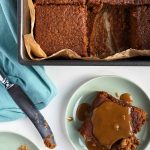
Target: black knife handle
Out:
[23,101]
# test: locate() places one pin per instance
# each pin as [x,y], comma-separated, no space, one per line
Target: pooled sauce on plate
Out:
[111,122]
[126,97]
[82,111]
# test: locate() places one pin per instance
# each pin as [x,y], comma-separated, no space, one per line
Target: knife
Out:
[23,101]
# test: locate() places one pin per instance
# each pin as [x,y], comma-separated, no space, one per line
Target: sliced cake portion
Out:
[110,31]
[112,124]
[60,2]
[140,27]
[92,13]
[60,27]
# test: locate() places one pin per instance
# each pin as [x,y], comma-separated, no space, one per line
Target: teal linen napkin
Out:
[33,79]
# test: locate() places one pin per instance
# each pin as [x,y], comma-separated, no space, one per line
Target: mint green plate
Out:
[12,141]
[110,84]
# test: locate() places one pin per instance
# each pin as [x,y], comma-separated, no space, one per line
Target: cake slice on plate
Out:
[112,124]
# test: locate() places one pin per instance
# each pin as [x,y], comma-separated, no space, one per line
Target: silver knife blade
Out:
[4,80]
[1,78]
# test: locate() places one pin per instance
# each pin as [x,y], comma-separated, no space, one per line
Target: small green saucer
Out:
[110,84]
[12,141]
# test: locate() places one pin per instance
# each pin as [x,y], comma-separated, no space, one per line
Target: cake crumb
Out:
[70,119]
[23,147]
[117,94]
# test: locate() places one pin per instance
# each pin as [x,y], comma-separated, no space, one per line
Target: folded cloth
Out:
[33,80]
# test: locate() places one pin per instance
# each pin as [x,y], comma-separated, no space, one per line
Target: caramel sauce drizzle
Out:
[126,97]
[111,122]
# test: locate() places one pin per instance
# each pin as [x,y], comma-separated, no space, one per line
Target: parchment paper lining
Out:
[36,53]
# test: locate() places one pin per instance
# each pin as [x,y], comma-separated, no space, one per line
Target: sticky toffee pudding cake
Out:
[110,31]
[112,124]
[61,27]
[140,27]
[98,28]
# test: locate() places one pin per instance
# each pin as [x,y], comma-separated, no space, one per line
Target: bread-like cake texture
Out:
[110,31]
[92,13]
[60,2]
[140,27]
[120,2]
[138,118]
[94,2]
[61,27]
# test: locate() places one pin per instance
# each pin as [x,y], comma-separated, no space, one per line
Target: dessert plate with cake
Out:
[108,113]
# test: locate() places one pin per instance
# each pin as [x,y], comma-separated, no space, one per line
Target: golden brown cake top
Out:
[140,27]
[60,1]
[61,27]
[120,2]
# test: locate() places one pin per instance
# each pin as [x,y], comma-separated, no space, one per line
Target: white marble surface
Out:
[67,80]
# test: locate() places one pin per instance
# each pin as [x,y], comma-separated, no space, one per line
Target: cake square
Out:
[110,31]
[140,27]
[60,27]
[60,2]
[92,13]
